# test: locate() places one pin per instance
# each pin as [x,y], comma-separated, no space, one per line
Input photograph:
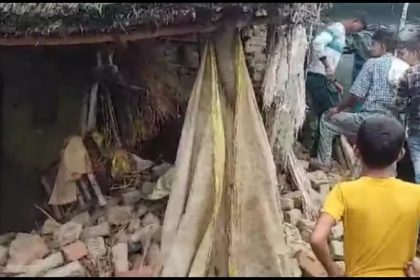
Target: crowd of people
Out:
[379,212]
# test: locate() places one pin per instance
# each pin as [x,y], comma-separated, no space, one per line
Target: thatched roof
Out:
[59,19]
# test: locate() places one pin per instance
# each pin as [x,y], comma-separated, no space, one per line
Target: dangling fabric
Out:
[194,202]
[251,215]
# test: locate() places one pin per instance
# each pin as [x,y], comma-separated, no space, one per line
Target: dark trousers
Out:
[321,95]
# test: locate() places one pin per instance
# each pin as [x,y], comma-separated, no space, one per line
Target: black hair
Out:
[380,140]
[361,17]
[387,37]
[362,20]
[413,43]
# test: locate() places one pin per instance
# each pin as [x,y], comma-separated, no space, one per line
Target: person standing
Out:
[407,100]
[374,86]
[322,88]
[380,213]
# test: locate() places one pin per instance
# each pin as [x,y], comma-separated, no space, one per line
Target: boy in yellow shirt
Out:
[380,213]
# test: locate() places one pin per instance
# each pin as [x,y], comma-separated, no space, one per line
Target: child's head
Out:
[380,142]
[383,41]
[409,50]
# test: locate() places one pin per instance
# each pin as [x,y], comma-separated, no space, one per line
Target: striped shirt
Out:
[329,43]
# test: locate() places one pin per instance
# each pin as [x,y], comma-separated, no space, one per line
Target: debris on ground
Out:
[298,228]
[122,238]
[103,241]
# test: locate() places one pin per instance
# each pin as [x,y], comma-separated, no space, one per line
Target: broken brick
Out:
[96,247]
[119,215]
[120,257]
[4,253]
[5,239]
[150,219]
[305,227]
[297,198]
[49,226]
[337,232]
[286,203]
[293,216]
[317,178]
[73,269]
[75,251]
[131,197]
[39,267]
[26,248]
[310,265]
[144,271]
[337,250]
[68,233]
[83,218]
[99,230]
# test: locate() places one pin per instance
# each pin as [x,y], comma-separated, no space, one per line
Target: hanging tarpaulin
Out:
[252,222]
[257,242]
[189,223]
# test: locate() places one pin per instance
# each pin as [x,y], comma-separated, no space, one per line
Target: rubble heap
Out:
[124,235]
[298,228]
[117,239]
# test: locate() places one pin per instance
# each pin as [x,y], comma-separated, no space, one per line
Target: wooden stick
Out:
[96,189]
[301,180]
[46,213]
[348,152]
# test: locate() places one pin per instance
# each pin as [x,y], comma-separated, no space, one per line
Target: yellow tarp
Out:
[256,244]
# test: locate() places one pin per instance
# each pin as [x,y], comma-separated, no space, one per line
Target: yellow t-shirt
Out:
[380,218]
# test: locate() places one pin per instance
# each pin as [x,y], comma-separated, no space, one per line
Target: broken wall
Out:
[41,100]
[255,48]
[42,95]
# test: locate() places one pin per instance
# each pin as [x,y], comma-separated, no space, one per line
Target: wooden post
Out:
[403,17]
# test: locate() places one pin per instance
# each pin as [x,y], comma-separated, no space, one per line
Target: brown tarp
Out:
[252,221]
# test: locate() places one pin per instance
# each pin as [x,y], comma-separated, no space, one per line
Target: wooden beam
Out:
[107,38]
[140,34]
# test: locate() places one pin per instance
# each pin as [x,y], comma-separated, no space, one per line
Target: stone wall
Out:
[255,47]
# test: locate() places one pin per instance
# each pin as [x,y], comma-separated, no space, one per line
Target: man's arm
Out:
[319,244]
[319,44]
[358,91]
[348,102]
[333,211]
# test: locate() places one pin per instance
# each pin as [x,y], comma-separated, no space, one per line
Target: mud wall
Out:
[41,97]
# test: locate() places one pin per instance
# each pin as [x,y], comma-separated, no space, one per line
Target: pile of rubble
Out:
[298,229]
[118,239]
[122,238]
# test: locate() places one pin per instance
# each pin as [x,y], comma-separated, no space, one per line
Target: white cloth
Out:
[398,68]
[329,43]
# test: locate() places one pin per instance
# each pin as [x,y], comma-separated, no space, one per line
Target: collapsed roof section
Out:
[88,23]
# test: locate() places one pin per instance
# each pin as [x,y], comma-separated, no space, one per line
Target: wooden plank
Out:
[141,33]
[106,38]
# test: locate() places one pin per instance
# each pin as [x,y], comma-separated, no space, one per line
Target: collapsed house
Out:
[113,82]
